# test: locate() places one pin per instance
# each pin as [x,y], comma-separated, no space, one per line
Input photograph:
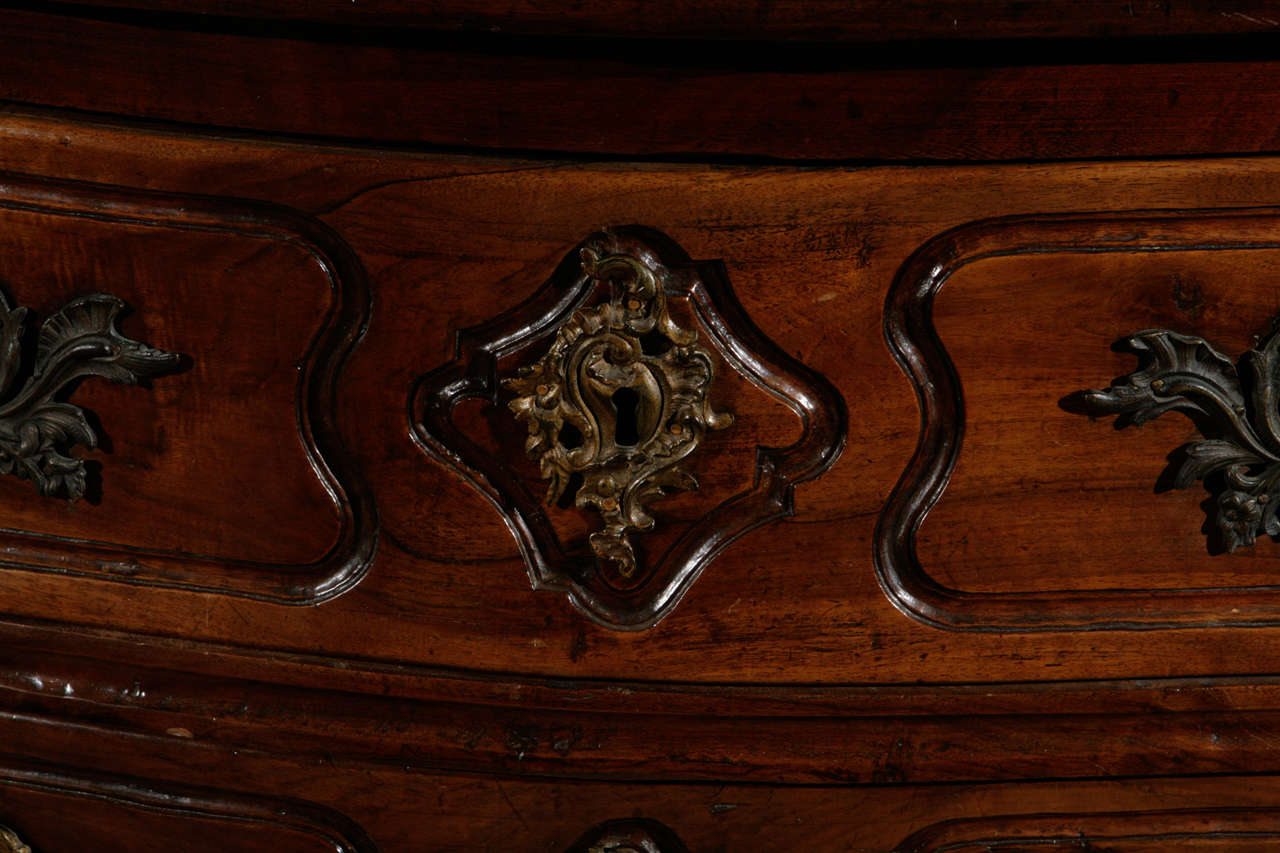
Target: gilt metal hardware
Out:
[621,397]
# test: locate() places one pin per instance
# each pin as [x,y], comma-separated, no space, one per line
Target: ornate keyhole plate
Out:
[619,400]
[635,387]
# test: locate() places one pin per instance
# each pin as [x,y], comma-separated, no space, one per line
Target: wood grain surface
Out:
[860,20]
[605,101]
[918,603]
[53,808]
[224,477]
[448,242]
[413,808]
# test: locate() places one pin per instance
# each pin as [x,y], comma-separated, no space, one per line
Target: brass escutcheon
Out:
[635,389]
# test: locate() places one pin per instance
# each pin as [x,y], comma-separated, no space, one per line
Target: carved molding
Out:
[1222,829]
[37,430]
[629,836]
[915,343]
[60,790]
[11,842]
[674,411]
[1234,409]
[313,409]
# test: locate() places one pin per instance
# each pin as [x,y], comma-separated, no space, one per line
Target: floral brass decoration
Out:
[11,843]
[1239,457]
[620,399]
[37,430]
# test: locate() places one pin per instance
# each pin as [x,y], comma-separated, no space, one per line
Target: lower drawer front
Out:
[56,809]
[53,809]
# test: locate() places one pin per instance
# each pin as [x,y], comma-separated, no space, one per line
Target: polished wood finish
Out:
[582,98]
[61,810]
[300,610]
[434,234]
[854,20]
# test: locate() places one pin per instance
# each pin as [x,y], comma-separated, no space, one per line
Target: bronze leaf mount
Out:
[597,341]
[1235,408]
[635,389]
[38,428]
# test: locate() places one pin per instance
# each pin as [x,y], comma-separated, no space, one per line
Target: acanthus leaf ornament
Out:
[38,430]
[636,413]
[1235,409]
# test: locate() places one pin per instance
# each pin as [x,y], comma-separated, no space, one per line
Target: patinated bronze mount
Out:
[37,430]
[622,396]
[1239,457]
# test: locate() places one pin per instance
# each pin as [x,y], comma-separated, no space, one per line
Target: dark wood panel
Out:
[590,105]
[221,477]
[861,20]
[1139,566]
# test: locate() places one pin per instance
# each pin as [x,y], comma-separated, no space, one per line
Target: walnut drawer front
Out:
[877,542]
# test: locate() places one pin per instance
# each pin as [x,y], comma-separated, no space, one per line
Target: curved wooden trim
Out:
[336,831]
[591,729]
[1082,831]
[472,374]
[909,330]
[320,368]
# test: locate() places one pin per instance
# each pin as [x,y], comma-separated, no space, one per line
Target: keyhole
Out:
[626,431]
[570,437]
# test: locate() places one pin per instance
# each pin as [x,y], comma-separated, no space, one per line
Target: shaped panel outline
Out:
[314,409]
[332,830]
[473,374]
[916,345]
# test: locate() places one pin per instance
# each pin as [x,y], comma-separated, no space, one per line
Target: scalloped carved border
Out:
[914,341]
[1111,830]
[331,830]
[472,374]
[347,561]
